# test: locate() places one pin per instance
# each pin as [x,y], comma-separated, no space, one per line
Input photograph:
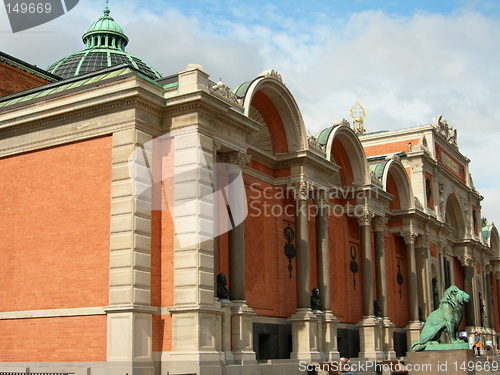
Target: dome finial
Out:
[106,10]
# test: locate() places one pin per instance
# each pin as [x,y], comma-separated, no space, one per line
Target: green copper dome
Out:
[105,44]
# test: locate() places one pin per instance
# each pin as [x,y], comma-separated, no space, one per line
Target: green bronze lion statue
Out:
[446,317]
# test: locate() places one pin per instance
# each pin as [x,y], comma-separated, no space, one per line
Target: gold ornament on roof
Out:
[358,114]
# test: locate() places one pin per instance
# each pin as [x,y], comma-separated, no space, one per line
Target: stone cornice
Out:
[216,108]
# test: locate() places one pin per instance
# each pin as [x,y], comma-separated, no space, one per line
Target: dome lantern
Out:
[105,44]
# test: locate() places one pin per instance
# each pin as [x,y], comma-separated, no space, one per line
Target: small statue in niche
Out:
[428,190]
[315,305]
[222,292]
[481,310]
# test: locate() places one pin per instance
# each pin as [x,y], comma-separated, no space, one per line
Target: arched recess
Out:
[396,182]
[454,217]
[268,101]
[343,147]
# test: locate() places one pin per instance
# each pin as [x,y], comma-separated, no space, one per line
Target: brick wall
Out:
[397,302]
[55,250]
[390,148]
[67,339]
[13,80]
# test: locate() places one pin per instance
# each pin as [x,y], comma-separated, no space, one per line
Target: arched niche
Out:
[454,217]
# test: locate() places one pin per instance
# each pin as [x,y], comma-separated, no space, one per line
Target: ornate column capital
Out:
[301,189]
[365,217]
[379,223]
[441,247]
[320,197]
[409,235]
[234,157]
[423,241]
[466,260]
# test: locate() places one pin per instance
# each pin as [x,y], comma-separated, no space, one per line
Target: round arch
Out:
[454,216]
[491,236]
[344,137]
[395,181]
[266,99]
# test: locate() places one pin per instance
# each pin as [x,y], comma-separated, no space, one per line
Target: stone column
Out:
[329,322]
[242,314]
[369,326]
[414,326]
[378,223]
[304,321]
[487,296]
[129,314]
[423,275]
[468,272]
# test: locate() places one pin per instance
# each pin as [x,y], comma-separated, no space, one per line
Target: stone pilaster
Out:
[369,327]
[378,223]
[196,316]
[129,314]
[226,330]
[304,321]
[414,326]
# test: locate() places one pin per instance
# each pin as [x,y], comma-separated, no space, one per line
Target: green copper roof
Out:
[105,44]
[105,32]
[65,85]
[378,169]
[322,136]
[486,232]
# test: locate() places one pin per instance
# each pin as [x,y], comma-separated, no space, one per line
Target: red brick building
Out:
[114,227]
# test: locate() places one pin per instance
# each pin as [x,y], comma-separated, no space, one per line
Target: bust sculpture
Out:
[222,292]
[315,305]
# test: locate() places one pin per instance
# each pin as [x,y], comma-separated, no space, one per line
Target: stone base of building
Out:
[78,368]
[370,338]
[450,362]
[305,336]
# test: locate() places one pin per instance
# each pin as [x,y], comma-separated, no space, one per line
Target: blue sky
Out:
[406,61]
